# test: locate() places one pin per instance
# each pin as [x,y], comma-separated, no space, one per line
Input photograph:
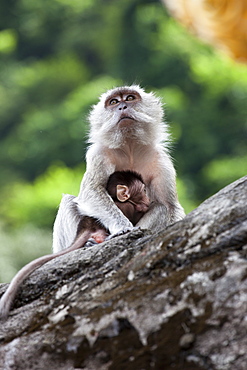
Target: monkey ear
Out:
[123,193]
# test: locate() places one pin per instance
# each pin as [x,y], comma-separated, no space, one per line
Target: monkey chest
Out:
[144,162]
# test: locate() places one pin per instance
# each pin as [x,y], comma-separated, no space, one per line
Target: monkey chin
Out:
[125,122]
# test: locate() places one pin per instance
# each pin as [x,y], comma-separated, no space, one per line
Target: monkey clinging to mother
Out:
[127,133]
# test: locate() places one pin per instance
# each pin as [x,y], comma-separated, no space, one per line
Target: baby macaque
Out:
[127,191]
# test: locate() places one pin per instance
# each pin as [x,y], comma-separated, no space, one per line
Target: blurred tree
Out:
[38,201]
[220,22]
[57,56]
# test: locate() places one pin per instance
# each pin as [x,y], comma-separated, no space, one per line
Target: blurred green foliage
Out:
[57,57]
[37,202]
[21,246]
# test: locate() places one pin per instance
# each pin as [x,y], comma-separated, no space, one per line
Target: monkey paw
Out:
[122,232]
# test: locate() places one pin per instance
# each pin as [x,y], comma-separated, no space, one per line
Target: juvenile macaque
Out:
[128,192]
[127,133]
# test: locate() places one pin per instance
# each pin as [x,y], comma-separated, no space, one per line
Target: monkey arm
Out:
[165,208]
[156,218]
[93,199]
[161,215]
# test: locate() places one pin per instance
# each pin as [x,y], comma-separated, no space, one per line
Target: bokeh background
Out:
[57,57]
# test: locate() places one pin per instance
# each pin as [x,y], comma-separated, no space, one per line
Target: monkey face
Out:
[122,104]
[139,196]
[126,113]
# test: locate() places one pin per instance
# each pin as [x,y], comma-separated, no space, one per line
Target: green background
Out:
[56,58]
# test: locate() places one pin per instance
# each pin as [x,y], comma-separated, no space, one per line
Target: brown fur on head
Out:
[128,191]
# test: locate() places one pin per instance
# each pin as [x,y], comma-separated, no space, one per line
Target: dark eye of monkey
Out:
[130,97]
[113,101]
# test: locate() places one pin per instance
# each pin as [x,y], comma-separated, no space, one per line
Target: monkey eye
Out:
[113,101]
[130,97]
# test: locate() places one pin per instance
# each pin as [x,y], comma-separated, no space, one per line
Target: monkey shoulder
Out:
[97,158]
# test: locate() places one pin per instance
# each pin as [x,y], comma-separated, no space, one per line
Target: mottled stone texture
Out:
[172,300]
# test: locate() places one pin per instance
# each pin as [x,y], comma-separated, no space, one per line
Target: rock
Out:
[176,299]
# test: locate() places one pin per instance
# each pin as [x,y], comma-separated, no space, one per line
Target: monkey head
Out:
[134,194]
[126,113]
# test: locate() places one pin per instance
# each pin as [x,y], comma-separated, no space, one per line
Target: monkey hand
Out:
[122,232]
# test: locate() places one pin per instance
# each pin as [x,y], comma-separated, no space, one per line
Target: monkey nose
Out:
[122,106]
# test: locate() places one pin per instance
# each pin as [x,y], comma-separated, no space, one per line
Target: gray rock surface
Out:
[172,300]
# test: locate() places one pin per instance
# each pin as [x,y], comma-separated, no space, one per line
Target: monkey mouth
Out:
[125,118]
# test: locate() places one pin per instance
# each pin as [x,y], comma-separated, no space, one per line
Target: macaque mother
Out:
[127,132]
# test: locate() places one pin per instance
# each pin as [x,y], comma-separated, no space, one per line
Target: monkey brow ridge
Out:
[122,91]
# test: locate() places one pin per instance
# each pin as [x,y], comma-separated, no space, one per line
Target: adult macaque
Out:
[128,192]
[127,133]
